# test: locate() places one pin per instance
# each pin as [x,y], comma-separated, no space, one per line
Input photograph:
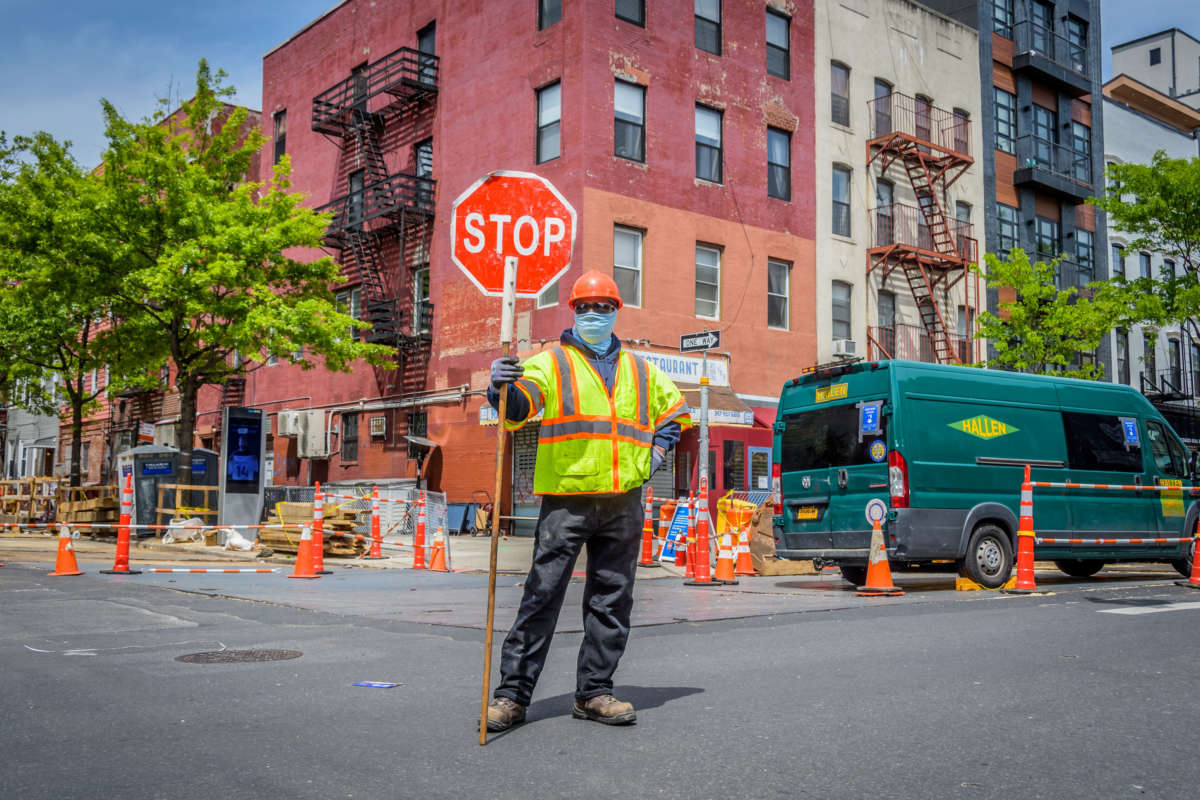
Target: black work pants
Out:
[611,528]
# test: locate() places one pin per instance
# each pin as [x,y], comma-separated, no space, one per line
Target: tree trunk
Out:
[76,478]
[188,389]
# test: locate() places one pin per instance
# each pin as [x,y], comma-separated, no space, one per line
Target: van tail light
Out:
[898,479]
[777,487]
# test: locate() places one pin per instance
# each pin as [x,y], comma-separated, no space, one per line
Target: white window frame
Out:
[633,302]
[708,248]
[786,295]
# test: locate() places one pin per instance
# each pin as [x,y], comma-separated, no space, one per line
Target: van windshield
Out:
[826,437]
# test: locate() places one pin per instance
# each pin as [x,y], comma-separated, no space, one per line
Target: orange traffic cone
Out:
[121,562]
[1192,582]
[1025,536]
[879,574]
[647,559]
[744,565]
[65,563]
[437,562]
[698,558]
[724,570]
[419,536]
[376,551]
[304,557]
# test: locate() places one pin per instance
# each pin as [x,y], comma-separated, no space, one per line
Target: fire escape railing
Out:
[898,114]
[383,198]
[911,343]
[905,225]
[402,73]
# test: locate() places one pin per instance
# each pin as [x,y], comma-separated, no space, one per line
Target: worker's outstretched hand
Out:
[506,369]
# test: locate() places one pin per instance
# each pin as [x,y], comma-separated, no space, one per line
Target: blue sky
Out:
[59,57]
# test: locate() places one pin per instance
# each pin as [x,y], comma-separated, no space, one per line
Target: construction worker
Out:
[609,419]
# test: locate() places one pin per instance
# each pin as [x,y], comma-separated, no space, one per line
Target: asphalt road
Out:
[778,689]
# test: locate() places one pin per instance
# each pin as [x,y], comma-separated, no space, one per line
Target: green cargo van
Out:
[944,448]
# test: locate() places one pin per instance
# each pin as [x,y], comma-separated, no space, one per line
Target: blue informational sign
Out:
[157,468]
[868,418]
[676,534]
[1129,425]
[199,465]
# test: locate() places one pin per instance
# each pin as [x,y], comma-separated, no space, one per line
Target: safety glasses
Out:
[594,307]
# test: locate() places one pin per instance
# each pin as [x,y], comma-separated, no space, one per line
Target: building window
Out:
[280,134]
[924,110]
[1081,147]
[1144,262]
[348,301]
[1117,267]
[962,228]
[1085,253]
[779,61]
[1194,351]
[841,310]
[350,436]
[839,93]
[733,465]
[885,226]
[1149,358]
[418,425]
[883,108]
[1175,363]
[887,322]
[1048,247]
[629,106]
[1002,17]
[1123,357]
[549,100]
[422,310]
[841,200]
[1155,56]
[1077,41]
[708,25]
[778,292]
[1045,136]
[962,130]
[549,12]
[1168,269]
[427,48]
[1006,120]
[423,158]
[632,11]
[708,281]
[708,144]
[779,164]
[627,264]
[354,200]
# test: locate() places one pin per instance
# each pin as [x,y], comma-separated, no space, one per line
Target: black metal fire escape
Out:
[382,212]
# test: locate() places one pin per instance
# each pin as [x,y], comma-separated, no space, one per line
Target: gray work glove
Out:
[506,369]
[656,459]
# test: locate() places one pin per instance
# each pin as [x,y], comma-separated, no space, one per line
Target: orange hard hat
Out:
[594,285]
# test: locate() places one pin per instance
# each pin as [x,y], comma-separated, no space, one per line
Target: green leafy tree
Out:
[203,252]
[55,307]
[1158,205]
[1043,329]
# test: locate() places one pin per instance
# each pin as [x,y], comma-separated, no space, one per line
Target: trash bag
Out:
[235,541]
[180,531]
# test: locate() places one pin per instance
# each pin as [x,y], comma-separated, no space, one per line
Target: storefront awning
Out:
[724,406]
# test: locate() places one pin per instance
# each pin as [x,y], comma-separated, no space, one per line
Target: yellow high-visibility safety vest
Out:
[589,442]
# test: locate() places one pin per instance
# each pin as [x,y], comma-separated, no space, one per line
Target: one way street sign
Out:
[695,342]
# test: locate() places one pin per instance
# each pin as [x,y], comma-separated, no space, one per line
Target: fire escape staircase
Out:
[931,166]
[390,206]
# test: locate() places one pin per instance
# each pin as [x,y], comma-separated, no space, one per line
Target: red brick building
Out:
[652,120]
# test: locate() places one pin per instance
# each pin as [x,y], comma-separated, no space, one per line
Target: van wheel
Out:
[1183,566]
[1079,567]
[855,575]
[989,558]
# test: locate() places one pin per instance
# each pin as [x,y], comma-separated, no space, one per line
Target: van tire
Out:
[1079,567]
[855,575]
[989,558]
[1183,566]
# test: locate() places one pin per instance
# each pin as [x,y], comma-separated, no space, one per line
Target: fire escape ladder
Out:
[233,393]
[927,308]
[930,205]
[366,137]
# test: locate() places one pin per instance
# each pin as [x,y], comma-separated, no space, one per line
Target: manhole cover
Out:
[238,656]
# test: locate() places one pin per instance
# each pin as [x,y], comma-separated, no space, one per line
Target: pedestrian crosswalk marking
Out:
[1152,609]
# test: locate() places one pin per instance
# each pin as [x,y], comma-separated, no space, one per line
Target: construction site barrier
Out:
[206,570]
[1027,538]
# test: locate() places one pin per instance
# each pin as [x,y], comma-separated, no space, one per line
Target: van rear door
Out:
[831,470]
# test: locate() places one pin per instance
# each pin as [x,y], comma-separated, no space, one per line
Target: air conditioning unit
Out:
[844,348]
[310,442]
[288,423]
[167,434]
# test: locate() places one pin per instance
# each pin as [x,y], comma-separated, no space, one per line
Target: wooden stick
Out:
[506,320]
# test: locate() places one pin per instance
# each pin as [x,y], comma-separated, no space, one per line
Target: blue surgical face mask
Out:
[595,330]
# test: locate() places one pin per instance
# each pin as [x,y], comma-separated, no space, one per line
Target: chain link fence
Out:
[396,518]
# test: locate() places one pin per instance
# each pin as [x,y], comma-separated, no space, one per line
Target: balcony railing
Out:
[1033,151]
[403,72]
[903,224]
[1070,273]
[1169,384]
[1029,37]
[897,113]
[386,197]
[912,343]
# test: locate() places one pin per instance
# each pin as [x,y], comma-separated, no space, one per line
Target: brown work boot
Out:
[605,708]
[504,713]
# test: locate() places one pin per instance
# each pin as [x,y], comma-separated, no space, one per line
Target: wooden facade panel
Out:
[1006,165]
[1081,112]
[1085,217]
[1003,78]
[1047,207]
[1002,51]
[1045,97]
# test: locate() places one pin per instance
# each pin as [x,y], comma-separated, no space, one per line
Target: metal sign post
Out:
[702,342]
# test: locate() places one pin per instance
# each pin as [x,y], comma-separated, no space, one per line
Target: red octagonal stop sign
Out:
[517,214]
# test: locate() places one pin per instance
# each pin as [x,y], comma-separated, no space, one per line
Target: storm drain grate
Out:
[238,656]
